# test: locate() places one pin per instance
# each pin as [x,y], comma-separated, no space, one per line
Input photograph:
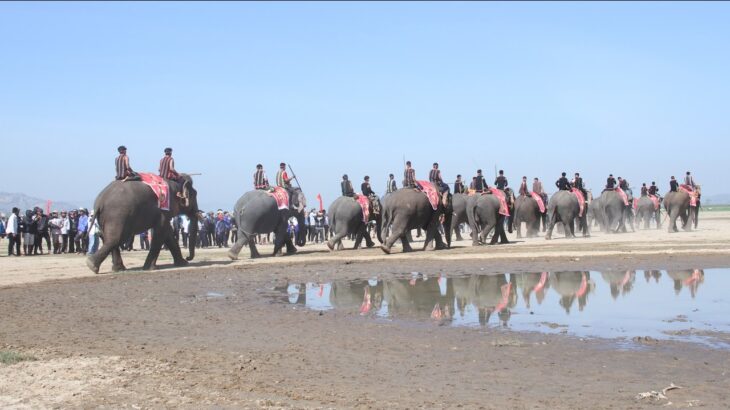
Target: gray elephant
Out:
[346,217]
[459,205]
[483,213]
[564,207]
[614,212]
[256,212]
[594,216]
[407,209]
[527,210]
[572,286]
[677,204]
[126,208]
[645,211]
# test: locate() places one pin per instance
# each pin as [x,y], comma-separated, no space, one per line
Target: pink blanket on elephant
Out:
[503,208]
[623,196]
[692,194]
[281,197]
[653,199]
[581,201]
[159,187]
[539,201]
[431,193]
[365,205]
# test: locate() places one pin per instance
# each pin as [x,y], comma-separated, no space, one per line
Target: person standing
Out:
[459,185]
[56,224]
[73,220]
[13,232]
[409,176]
[65,227]
[167,166]
[562,183]
[43,232]
[93,234]
[391,185]
[346,187]
[124,171]
[259,178]
[30,229]
[501,181]
[82,234]
[365,187]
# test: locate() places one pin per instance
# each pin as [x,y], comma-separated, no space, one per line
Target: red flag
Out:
[48,207]
[319,198]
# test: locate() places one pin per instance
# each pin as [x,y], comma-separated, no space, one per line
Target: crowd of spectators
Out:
[62,232]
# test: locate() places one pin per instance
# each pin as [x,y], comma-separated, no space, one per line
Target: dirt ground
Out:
[155,340]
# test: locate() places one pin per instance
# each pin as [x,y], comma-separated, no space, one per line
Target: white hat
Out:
[91,213]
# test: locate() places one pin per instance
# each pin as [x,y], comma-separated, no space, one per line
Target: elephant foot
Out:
[181,262]
[151,267]
[118,268]
[331,245]
[291,251]
[90,265]
[370,244]
[475,243]
[385,249]
[232,255]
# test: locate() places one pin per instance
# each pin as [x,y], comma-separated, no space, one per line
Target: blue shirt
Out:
[83,223]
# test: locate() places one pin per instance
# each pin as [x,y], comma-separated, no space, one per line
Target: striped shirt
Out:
[391,186]
[122,165]
[167,167]
[409,178]
[259,180]
[282,179]
[435,176]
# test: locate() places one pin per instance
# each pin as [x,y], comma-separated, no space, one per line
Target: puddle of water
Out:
[685,305]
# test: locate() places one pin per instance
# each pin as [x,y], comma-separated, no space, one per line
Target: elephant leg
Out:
[457,232]
[406,244]
[94,261]
[397,231]
[569,228]
[241,241]
[117,264]
[158,235]
[174,248]
[551,224]
[431,232]
[358,239]
[486,230]
[518,227]
[336,240]
[686,220]
[499,233]
[365,234]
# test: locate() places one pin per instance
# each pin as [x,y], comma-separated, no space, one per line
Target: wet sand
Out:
[156,339]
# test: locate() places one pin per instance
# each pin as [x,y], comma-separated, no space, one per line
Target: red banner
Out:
[319,198]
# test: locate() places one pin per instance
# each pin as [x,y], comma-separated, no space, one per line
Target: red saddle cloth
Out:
[655,200]
[692,194]
[281,197]
[431,193]
[581,201]
[503,208]
[365,205]
[623,196]
[159,187]
[540,203]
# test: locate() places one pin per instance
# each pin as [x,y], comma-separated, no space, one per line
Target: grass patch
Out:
[10,357]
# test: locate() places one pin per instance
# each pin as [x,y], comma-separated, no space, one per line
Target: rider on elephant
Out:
[124,171]
[673,185]
[610,183]
[259,178]
[365,187]
[689,181]
[434,176]
[409,176]
[644,189]
[346,186]
[523,187]
[653,189]
[623,184]
[459,185]
[392,187]
[167,167]
[537,187]
[562,183]
[283,180]
[480,184]
[501,181]
[578,183]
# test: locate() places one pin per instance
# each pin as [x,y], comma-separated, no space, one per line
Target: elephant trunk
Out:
[192,234]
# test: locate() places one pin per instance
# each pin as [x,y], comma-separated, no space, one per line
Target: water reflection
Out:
[619,304]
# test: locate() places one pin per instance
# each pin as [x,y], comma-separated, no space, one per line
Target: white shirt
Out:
[56,225]
[66,226]
[184,223]
[12,226]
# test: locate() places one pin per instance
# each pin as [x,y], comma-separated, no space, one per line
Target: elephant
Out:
[614,212]
[564,207]
[691,278]
[645,212]
[256,212]
[594,215]
[494,293]
[459,205]
[527,211]
[677,205]
[346,218]
[419,298]
[407,209]
[538,282]
[483,213]
[570,286]
[126,208]
[619,282]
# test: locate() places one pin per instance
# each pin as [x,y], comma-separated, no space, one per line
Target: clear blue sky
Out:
[637,90]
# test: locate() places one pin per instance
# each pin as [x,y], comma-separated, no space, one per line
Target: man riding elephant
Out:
[434,176]
[409,176]
[346,187]
[259,178]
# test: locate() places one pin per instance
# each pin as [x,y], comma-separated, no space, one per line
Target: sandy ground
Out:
[154,340]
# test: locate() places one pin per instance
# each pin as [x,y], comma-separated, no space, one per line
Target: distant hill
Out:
[22,201]
[717,199]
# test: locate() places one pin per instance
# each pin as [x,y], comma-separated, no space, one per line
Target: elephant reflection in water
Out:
[648,274]
[365,297]
[691,278]
[493,293]
[571,286]
[537,282]
[620,283]
[420,298]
